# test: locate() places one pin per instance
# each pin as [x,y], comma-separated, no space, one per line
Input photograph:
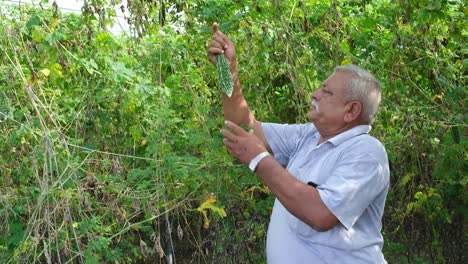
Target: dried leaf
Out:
[157,248]
[143,247]
[180,233]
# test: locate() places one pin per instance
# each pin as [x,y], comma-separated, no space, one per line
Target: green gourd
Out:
[224,75]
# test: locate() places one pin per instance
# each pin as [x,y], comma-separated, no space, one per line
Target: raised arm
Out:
[300,199]
[235,108]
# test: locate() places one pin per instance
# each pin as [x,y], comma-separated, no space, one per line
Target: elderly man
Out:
[330,177]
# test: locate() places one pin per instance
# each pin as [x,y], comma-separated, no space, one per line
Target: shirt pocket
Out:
[300,228]
[304,174]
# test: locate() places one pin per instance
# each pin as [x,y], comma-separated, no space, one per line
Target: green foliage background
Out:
[109,144]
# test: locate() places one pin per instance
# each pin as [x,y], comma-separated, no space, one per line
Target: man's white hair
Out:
[365,88]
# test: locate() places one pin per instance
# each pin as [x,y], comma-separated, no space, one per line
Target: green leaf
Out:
[146,85]
[90,65]
[121,71]
[91,259]
[33,21]
[406,179]
[456,135]
[17,232]
[435,5]
[59,34]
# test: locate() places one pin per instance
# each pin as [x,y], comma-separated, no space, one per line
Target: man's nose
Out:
[314,95]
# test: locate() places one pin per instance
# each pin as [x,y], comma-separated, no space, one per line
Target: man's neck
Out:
[328,134]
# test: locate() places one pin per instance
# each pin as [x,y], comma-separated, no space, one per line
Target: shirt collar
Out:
[355,131]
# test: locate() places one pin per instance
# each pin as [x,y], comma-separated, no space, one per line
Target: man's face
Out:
[328,102]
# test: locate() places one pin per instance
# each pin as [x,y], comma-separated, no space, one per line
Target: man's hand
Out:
[220,43]
[241,144]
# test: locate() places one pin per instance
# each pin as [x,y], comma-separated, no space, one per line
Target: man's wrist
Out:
[255,161]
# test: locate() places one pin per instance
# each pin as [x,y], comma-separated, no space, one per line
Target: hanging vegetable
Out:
[224,75]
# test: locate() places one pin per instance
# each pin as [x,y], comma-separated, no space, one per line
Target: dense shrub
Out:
[110,146]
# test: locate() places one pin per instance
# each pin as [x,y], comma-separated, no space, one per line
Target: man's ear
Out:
[353,111]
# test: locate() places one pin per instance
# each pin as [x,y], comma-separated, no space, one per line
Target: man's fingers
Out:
[216,44]
[223,38]
[237,130]
[228,135]
[218,36]
[214,50]
[214,27]
[220,40]
[226,40]
[228,144]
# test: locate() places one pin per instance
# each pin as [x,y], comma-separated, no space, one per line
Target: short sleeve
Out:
[358,178]
[284,139]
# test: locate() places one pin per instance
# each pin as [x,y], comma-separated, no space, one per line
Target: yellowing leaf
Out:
[210,200]
[208,204]
[243,24]
[220,211]
[44,73]
[406,178]
[56,70]
[346,61]
[31,81]
[251,191]
[131,108]
[438,97]
[206,221]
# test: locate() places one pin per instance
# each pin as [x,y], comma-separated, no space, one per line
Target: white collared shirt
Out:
[352,174]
